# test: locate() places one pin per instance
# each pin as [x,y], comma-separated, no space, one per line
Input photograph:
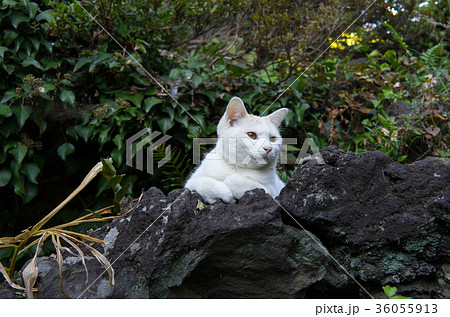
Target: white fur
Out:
[239,163]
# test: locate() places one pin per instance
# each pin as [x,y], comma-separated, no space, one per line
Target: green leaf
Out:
[150,102]
[49,64]
[81,62]
[31,61]
[108,169]
[31,170]
[3,49]
[389,291]
[196,80]
[136,99]
[116,179]
[17,18]
[98,58]
[374,54]
[22,114]
[103,184]
[184,120]
[64,150]
[5,111]
[42,124]
[300,112]
[121,193]
[31,191]
[117,156]
[83,131]
[32,8]
[67,96]
[200,205]
[9,36]
[103,136]
[388,92]
[174,73]
[46,15]
[118,141]
[384,122]
[8,96]
[8,68]
[19,153]
[5,176]
[299,84]
[402,158]
[165,124]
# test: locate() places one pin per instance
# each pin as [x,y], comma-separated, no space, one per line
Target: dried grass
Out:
[22,242]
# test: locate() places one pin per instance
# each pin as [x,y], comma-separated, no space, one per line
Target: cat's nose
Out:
[267,149]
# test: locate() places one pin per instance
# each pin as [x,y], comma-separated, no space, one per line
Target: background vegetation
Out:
[73,90]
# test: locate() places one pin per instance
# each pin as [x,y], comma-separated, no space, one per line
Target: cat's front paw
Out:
[240,184]
[220,191]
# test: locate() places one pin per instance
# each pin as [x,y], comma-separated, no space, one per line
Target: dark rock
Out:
[168,248]
[386,222]
[382,222]
[7,294]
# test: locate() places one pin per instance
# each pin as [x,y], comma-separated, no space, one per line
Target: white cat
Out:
[244,157]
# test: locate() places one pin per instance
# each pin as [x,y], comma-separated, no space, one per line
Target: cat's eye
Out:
[252,135]
[273,139]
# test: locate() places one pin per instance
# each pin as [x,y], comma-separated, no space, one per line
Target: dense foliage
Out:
[74,89]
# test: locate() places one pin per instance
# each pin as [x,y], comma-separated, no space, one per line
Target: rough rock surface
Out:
[385,223]
[169,248]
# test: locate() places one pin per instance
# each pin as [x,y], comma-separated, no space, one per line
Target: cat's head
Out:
[250,141]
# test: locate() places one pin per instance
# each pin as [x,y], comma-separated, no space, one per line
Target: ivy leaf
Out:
[46,15]
[3,49]
[165,124]
[31,61]
[22,114]
[32,8]
[17,18]
[150,102]
[19,153]
[65,149]
[136,99]
[5,176]
[31,191]
[31,170]
[42,124]
[7,96]
[67,96]
[116,155]
[81,62]
[5,111]
[9,36]
[84,131]
[103,136]
[49,64]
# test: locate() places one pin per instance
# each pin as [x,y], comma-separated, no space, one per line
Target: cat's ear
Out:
[278,116]
[235,111]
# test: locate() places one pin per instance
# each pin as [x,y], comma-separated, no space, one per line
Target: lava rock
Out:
[176,247]
[387,223]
